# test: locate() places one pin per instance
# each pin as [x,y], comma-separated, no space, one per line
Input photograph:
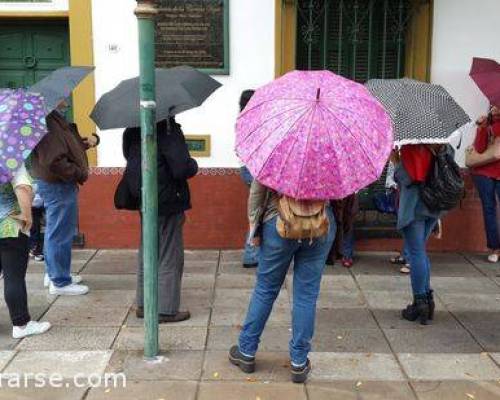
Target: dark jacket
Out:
[175,166]
[60,156]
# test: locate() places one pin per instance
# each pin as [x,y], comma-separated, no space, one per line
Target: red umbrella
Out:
[486,74]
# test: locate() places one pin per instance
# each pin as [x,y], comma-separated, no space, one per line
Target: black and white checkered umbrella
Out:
[421,112]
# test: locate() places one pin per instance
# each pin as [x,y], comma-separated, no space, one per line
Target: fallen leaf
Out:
[251,380]
[468,374]
[340,337]
[257,398]
[359,384]
[216,374]
[107,390]
[470,396]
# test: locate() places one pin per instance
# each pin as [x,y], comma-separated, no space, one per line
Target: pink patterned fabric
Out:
[314,135]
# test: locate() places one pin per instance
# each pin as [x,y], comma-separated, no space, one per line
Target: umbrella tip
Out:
[318,93]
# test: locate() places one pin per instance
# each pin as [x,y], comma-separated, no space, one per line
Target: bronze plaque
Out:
[192,32]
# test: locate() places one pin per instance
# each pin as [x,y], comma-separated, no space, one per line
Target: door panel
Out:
[50,49]
[30,50]
[13,48]
[15,78]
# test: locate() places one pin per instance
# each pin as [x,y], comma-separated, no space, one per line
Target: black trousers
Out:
[14,263]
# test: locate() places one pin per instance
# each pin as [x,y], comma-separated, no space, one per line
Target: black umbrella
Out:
[421,112]
[177,89]
[59,84]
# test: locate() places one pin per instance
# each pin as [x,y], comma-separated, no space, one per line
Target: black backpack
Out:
[444,187]
[128,192]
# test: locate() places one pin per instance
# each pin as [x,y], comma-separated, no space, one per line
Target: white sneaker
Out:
[72,289]
[74,279]
[493,258]
[31,328]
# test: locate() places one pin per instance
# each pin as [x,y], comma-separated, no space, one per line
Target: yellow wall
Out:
[285,37]
[419,43]
[80,33]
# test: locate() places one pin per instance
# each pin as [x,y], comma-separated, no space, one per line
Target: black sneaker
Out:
[299,374]
[246,364]
[251,265]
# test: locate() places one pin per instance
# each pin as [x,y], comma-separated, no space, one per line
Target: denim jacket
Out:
[411,206]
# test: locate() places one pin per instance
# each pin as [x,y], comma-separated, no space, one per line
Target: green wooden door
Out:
[30,50]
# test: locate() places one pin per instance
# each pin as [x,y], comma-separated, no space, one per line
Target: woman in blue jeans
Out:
[276,254]
[416,222]
[487,179]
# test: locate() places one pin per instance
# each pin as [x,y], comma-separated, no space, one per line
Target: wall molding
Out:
[105,171]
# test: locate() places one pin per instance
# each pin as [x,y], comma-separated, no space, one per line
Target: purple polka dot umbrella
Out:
[314,135]
[22,126]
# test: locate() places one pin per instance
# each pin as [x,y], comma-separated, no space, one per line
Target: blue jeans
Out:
[251,253]
[61,219]
[246,176]
[405,253]
[489,191]
[348,245]
[415,236]
[276,255]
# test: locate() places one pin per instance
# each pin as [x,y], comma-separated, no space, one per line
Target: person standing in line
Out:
[15,224]
[391,187]
[59,164]
[276,254]
[487,179]
[345,211]
[36,235]
[251,252]
[175,167]
[416,222]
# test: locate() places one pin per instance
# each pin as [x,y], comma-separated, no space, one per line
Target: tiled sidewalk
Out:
[362,349]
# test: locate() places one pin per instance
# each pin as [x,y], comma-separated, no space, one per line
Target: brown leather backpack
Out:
[302,219]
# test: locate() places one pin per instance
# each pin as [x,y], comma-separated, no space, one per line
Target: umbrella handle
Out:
[30,61]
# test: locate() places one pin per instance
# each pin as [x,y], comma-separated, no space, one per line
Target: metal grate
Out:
[361,40]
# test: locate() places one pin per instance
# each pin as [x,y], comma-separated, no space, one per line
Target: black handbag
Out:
[124,199]
[444,187]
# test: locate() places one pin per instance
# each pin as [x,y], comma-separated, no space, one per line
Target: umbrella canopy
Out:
[314,135]
[177,89]
[421,112]
[486,74]
[58,86]
[22,126]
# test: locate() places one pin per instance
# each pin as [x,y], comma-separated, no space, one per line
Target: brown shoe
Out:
[180,316]
[164,318]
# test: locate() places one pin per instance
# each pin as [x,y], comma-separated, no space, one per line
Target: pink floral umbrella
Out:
[314,135]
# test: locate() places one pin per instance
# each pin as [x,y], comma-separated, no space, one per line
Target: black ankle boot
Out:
[418,310]
[432,304]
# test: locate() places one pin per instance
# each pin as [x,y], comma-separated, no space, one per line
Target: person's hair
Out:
[245,97]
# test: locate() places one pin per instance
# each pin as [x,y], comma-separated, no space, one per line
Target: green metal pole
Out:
[145,12]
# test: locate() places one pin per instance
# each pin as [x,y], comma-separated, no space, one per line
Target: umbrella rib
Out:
[286,133]
[307,142]
[245,111]
[348,130]
[283,165]
[249,134]
[333,153]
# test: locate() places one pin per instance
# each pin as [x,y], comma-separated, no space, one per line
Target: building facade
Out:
[247,44]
